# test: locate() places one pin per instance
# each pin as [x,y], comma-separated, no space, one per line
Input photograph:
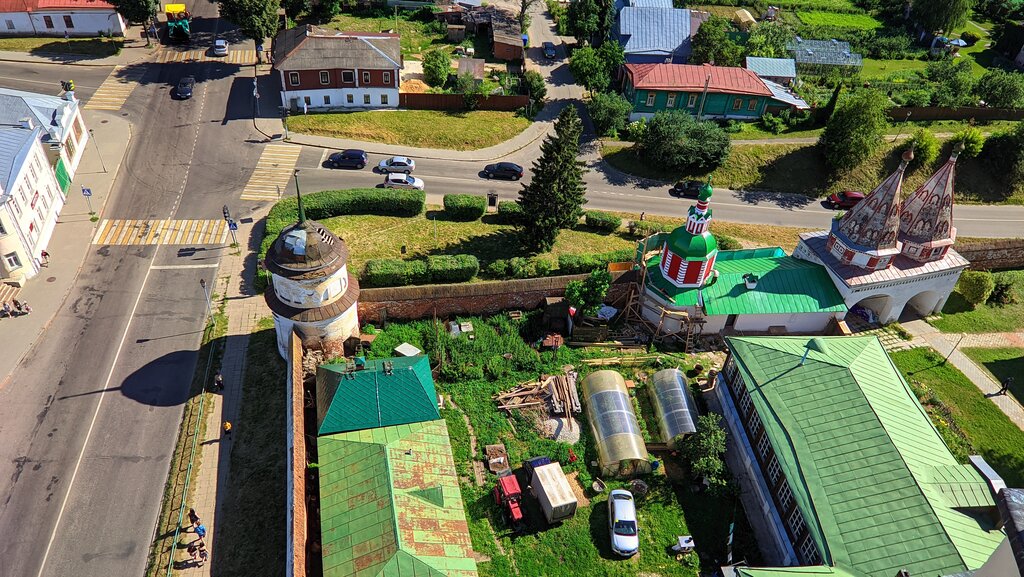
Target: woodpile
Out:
[525,395]
[559,390]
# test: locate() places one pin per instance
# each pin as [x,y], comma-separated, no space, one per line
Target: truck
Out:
[550,487]
[508,497]
[179,21]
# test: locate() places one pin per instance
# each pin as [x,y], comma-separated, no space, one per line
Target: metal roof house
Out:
[655,35]
[845,466]
[64,134]
[778,70]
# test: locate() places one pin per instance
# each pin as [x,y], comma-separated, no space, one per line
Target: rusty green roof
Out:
[386,392]
[878,488]
[390,504]
[785,285]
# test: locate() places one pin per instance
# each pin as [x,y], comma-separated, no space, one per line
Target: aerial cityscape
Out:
[512,288]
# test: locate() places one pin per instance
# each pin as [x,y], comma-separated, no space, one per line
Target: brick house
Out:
[322,68]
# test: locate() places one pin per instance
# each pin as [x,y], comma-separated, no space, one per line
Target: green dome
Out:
[691,246]
[705,191]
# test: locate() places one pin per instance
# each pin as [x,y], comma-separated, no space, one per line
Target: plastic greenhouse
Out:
[621,451]
[673,405]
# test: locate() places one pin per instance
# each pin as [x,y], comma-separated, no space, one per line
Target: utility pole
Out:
[92,137]
[206,292]
[703,98]
[232,225]
[905,121]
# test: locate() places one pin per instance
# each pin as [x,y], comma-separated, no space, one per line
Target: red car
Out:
[845,199]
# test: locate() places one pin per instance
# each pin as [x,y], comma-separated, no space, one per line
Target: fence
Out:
[994,254]
[457,102]
[961,113]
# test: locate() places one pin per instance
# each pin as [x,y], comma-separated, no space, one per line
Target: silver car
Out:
[397,164]
[622,523]
[220,47]
[403,181]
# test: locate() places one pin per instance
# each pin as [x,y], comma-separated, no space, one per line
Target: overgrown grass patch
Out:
[419,128]
[985,427]
[1002,363]
[838,20]
[416,36]
[49,46]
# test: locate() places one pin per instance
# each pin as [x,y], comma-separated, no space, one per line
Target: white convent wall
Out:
[333,329]
[311,293]
[339,98]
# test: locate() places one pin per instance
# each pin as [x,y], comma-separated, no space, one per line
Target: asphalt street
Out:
[45,78]
[89,420]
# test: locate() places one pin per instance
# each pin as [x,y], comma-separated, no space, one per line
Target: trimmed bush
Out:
[976,286]
[727,242]
[645,228]
[603,221]
[509,211]
[383,272]
[449,268]
[585,263]
[465,206]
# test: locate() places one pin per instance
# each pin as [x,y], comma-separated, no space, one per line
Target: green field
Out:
[99,47]
[419,128]
[416,36]
[1001,363]
[959,317]
[874,68]
[857,21]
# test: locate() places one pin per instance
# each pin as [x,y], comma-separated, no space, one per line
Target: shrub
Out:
[890,47]
[636,130]
[926,146]
[509,211]
[773,123]
[584,263]
[676,141]
[603,221]
[645,228]
[449,268]
[918,97]
[727,242]
[437,65]
[970,38]
[609,111]
[1005,290]
[1001,89]
[855,130]
[542,266]
[465,206]
[975,286]
[497,268]
[588,294]
[972,138]
[384,272]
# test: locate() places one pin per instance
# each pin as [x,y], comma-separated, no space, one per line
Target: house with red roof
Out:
[706,91]
[59,18]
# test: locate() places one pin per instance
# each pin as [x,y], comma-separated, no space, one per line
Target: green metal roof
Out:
[349,400]
[390,504]
[793,571]
[878,488]
[692,246]
[785,285]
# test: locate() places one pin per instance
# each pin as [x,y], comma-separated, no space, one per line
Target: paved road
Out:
[89,420]
[45,78]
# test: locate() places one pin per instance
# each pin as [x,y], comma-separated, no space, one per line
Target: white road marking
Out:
[177,266]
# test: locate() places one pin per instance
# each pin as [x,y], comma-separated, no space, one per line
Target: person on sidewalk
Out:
[26,308]
[193,551]
[227,429]
[203,555]
[201,532]
[1007,383]
[218,382]
[46,258]
[193,518]
[7,310]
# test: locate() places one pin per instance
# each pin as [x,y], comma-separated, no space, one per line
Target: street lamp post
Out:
[206,292]
[92,137]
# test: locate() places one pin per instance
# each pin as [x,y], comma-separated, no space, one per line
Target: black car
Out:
[686,189]
[507,170]
[185,87]
[347,159]
[549,50]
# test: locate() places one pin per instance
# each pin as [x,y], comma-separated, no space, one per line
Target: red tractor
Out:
[508,496]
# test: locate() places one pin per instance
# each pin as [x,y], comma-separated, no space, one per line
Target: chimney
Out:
[26,123]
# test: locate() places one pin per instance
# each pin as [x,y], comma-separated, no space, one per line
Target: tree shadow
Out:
[599,531]
[77,50]
[499,244]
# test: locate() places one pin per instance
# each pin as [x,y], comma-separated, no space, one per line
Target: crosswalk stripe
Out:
[160,232]
[115,90]
[240,57]
[272,173]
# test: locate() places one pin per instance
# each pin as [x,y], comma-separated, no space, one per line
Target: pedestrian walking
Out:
[26,308]
[193,518]
[227,429]
[193,551]
[642,213]
[17,306]
[201,532]
[46,257]
[1007,383]
[204,555]
[7,309]
[218,382]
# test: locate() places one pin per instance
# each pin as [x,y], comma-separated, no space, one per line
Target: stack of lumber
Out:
[524,395]
[564,397]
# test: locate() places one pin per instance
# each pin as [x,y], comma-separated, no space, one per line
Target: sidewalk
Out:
[948,345]
[71,238]
[244,308]
[134,50]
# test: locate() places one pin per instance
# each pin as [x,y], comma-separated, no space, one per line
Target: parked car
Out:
[686,189]
[622,523]
[185,87]
[549,49]
[220,47]
[351,158]
[845,199]
[509,170]
[400,180]
[397,164]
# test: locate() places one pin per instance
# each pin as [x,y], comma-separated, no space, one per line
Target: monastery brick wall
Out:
[995,254]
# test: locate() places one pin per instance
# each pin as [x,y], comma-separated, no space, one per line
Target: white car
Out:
[622,523]
[220,47]
[397,164]
[403,181]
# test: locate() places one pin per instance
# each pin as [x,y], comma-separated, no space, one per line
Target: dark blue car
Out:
[185,87]
[347,159]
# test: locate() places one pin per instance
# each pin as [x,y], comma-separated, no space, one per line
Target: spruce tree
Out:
[555,196]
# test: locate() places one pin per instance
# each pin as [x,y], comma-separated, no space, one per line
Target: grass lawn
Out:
[983,426]
[875,68]
[99,47]
[856,21]
[420,128]
[1002,363]
[416,36]
[959,317]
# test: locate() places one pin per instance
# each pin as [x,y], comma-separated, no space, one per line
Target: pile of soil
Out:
[414,87]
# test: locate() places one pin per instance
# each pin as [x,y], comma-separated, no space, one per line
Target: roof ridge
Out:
[366,40]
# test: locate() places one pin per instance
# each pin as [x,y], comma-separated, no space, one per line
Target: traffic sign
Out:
[86,191]
[232,225]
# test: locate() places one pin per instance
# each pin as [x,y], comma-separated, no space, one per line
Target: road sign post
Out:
[233,226]
[206,293]
[87,193]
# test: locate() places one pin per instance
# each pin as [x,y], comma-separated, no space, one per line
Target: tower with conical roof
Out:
[311,290]
[688,256]
[926,217]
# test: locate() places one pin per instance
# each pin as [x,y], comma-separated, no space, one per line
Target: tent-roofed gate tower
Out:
[884,254]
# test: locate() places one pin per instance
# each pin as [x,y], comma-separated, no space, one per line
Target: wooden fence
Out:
[456,102]
[899,114]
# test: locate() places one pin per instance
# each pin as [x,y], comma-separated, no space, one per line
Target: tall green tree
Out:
[437,65]
[589,69]
[769,40]
[855,130]
[954,82]
[556,194]
[712,45]
[137,11]
[585,18]
[945,15]
[609,112]
[257,19]
[1001,89]
[613,55]
[675,140]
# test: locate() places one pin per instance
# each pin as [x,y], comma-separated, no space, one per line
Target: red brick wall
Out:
[508,51]
[995,254]
[298,472]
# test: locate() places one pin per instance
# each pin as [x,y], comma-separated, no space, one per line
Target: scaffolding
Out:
[690,326]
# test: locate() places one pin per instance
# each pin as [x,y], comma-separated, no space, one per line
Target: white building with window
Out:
[30,201]
[59,18]
[64,135]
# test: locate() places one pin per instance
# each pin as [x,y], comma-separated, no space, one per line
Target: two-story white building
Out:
[64,134]
[30,201]
[59,18]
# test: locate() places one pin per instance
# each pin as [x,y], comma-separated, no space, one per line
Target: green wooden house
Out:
[711,91]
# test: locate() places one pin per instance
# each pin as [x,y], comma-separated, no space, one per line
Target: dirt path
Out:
[478,467]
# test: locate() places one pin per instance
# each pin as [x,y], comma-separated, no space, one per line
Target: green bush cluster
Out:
[465,206]
[645,228]
[976,286]
[603,221]
[509,211]
[585,263]
[1007,289]
[391,272]
[727,242]
[519,267]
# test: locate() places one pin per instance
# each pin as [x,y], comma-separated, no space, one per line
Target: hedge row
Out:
[519,267]
[585,263]
[444,268]
[465,206]
[603,221]
[509,211]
